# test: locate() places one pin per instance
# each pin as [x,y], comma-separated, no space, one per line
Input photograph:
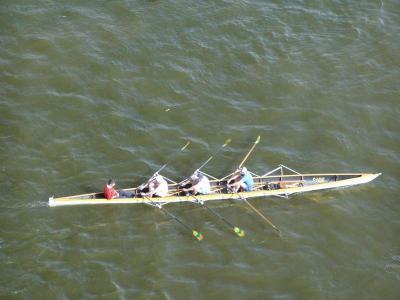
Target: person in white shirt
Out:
[157,187]
[198,183]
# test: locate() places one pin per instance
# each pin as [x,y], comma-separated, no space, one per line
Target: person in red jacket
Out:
[111,193]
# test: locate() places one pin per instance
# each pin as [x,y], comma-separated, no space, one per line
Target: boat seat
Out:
[258,186]
[217,189]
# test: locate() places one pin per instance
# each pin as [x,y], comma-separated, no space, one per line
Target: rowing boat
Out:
[273,183]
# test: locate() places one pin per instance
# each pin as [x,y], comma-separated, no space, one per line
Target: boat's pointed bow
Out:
[370,177]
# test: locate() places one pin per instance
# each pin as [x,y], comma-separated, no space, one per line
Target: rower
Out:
[197,184]
[111,193]
[157,186]
[241,181]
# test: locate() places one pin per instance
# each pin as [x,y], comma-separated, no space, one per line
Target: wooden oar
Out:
[248,154]
[163,166]
[245,158]
[211,157]
[227,142]
[259,213]
[237,230]
[194,232]
[172,156]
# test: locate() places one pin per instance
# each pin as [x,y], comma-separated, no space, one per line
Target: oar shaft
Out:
[206,162]
[236,230]
[195,233]
[162,168]
[212,156]
[262,216]
[169,160]
[259,213]
[218,215]
[175,218]
[248,153]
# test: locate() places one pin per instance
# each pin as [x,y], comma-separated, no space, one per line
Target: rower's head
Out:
[157,180]
[111,182]
[196,176]
[243,171]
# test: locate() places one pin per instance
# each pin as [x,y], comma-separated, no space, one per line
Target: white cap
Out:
[195,176]
[243,170]
[159,178]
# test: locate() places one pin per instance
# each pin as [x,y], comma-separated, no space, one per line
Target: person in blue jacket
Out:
[241,181]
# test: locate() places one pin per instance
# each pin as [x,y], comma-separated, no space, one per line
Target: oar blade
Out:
[197,235]
[227,142]
[239,232]
[258,139]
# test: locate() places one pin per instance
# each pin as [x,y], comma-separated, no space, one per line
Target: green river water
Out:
[97,89]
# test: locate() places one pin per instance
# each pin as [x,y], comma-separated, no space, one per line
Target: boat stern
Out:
[51,201]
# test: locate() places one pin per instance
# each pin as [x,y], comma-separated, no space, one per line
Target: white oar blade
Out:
[227,142]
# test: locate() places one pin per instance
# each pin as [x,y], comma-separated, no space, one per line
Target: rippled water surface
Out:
[97,89]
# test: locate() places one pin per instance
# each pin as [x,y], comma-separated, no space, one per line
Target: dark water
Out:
[113,88]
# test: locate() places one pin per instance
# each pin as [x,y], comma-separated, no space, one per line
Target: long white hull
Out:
[275,185]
